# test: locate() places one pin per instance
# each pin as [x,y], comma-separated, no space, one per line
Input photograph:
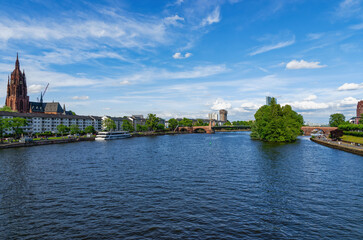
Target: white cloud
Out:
[310,97]
[272,47]
[80,98]
[35,88]
[357,26]
[119,30]
[219,103]
[214,17]
[315,36]
[349,8]
[309,105]
[125,82]
[173,20]
[294,64]
[178,55]
[250,105]
[349,101]
[350,86]
[179,2]
[162,74]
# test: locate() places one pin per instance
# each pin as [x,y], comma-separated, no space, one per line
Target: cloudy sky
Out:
[187,57]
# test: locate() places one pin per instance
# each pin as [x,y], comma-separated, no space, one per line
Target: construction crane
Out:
[43,93]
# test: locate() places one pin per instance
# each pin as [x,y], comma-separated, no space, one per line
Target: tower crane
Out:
[43,93]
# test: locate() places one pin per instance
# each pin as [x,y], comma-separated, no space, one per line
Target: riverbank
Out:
[347,147]
[45,142]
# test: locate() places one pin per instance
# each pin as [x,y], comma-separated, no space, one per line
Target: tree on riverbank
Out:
[152,122]
[90,129]
[62,129]
[186,122]
[127,126]
[276,124]
[108,124]
[17,124]
[4,126]
[173,123]
[74,129]
[336,119]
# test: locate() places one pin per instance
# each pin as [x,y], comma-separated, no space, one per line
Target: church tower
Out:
[17,95]
[359,112]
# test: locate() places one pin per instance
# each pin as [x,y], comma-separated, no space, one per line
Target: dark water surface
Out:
[198,186]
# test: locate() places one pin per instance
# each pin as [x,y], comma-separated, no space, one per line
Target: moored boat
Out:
[112,135]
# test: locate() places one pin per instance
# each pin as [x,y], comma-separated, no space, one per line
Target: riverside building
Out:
[40,122]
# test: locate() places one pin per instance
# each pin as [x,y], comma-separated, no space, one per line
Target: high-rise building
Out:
[269,99]
[223,115]
[359,111]
[213,116]
[17,96]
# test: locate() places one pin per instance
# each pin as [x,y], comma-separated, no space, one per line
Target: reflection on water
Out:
[188,186]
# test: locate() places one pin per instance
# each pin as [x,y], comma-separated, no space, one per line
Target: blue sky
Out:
[187,58]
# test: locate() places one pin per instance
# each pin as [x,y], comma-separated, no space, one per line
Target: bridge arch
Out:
[199,130]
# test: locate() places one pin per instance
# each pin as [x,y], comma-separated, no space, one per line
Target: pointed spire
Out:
[17,61]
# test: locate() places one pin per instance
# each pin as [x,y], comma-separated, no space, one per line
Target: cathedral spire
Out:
[17,66]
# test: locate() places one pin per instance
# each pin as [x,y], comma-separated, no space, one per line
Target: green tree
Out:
[186,122]
[6,109]
[336,119]
[173,123]
[4,126]
[160,126]
[90,129]
[17,124]
[74,129]
[276,124]
[127,126]
[152,121]
[228,123]
[200,122]
[141,128]
[62,129]
[109,124]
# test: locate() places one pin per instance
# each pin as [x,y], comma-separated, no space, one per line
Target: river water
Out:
[194,186]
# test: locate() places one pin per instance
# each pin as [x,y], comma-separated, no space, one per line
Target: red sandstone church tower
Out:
[17,96]
[359,111]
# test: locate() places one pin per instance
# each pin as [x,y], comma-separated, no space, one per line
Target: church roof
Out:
[47,107]
[53,107]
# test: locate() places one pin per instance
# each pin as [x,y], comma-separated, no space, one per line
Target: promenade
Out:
[340,145]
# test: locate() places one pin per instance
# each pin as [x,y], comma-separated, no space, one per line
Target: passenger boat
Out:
[112,135]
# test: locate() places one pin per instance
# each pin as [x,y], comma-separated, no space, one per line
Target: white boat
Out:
[112,135]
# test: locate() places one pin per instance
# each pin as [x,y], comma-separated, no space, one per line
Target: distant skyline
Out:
[187,58]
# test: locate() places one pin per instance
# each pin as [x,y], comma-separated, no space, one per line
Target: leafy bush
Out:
[351,133]
[351,127]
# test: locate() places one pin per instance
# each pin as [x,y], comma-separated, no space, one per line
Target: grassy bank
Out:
[352,139]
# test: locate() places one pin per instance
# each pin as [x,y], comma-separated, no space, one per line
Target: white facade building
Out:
[39,122]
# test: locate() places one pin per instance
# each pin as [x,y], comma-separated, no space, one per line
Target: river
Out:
[193,186]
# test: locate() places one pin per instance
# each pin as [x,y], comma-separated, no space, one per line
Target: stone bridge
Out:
[195,129]
[326,130]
